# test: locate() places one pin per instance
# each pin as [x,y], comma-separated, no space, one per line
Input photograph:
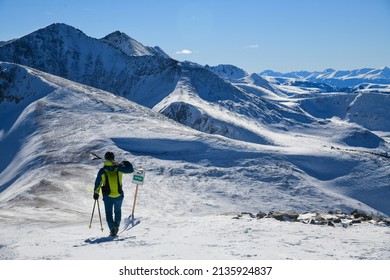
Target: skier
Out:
[109,180]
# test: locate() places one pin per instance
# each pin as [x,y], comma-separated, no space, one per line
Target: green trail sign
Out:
[139,176]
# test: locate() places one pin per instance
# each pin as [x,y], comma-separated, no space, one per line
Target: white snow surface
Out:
[195,181]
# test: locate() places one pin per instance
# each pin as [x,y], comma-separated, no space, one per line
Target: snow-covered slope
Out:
[367,110]
[228,72]
[252,82]
[192,178]
[130,46]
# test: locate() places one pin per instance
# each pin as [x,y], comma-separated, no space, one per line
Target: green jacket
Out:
[109,179]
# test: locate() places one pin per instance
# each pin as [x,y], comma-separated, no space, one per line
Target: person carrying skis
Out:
[109,180]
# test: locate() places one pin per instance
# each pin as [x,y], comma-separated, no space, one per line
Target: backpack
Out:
[111,181]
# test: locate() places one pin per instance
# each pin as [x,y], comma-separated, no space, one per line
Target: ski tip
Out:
[95,156]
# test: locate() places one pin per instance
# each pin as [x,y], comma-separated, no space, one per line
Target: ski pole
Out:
[93,211]
[135,200]
[100,216]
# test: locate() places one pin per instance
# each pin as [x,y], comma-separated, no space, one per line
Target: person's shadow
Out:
[107,239]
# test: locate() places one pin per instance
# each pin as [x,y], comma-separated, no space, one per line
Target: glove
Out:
[126,163]
[96,196]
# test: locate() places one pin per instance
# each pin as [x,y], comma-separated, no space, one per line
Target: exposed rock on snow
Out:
[331,218]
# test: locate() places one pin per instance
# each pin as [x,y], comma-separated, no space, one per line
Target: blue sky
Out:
[255,35]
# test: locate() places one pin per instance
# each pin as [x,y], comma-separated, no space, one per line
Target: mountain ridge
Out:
[130,46]
[339,78]
[148,80]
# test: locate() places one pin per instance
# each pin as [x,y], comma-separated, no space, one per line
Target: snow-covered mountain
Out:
[150,80]
[115,64]
[213,141]
[229,72]
[241,78]
[192,178]
[132,47]
[340,79]
[65,51]
[358,105]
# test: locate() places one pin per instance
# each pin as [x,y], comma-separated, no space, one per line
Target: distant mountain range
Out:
[340,79]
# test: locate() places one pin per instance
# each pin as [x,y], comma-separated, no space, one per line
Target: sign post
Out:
[138,179]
